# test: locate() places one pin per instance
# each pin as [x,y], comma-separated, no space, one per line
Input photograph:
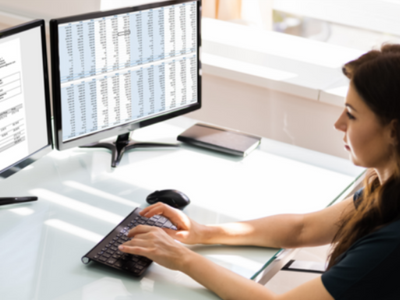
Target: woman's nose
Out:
[340,124]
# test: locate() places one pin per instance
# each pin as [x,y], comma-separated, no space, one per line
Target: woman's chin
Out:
[353,160]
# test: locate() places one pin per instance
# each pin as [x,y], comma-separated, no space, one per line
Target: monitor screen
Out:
[124,69]
[25,129]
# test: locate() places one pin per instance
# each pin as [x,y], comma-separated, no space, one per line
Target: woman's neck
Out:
[384,173]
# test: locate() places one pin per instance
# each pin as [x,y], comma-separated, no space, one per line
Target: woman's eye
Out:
[351,117]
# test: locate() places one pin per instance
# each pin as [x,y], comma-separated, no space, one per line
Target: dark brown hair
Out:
[376,78]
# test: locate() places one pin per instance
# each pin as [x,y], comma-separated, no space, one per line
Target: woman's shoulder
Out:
[376,255]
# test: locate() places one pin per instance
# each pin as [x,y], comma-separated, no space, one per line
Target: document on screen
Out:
[13,139]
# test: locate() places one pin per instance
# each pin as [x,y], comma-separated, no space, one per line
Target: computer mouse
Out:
[173,198]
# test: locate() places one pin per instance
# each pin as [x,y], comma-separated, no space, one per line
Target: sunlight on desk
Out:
[79,206]
[96,192]
[23,211]
[105,288]
[219,175]
[75,230]
[239,261]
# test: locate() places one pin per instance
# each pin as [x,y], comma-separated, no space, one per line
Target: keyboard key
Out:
[103,258]
[167,224]
[114,248]
[162,220]
[118,264]
[111,261]
[106,255]
[141,263]
[130,264]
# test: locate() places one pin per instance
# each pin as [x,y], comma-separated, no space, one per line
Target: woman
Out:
[363,229]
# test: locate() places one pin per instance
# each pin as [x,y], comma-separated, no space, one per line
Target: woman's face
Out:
[369,143]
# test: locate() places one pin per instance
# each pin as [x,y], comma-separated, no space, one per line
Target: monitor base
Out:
[122,144]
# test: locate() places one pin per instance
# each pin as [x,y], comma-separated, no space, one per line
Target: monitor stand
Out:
[122,144]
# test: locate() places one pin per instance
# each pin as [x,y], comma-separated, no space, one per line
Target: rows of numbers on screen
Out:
[127,67]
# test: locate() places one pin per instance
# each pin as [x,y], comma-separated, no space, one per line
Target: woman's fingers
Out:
[140,229]
[156,244]
[188,231]
[178,218]
[149,211]
[141,241]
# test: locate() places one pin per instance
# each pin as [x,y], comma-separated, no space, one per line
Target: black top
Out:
[370,268]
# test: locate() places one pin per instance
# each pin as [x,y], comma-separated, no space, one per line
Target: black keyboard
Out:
[106,251]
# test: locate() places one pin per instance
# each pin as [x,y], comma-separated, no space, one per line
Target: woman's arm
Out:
[229,285]
[279,231]
[155,244]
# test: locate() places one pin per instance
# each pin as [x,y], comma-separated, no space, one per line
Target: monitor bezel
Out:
[31,158]
[122,128]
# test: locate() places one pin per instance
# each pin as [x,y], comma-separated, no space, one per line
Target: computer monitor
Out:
[25,126]
[119,70]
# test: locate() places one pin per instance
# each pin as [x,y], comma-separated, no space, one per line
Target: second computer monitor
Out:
[25,122]
[120,70]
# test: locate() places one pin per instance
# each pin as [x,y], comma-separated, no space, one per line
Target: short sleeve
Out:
[357,197]
[369,269]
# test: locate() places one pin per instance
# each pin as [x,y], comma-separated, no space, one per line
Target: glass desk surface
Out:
[81,198]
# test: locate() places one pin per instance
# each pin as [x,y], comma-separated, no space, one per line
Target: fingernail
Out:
[120,247]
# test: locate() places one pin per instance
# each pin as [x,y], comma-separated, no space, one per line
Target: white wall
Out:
[272,114]
[376,15]
[48,9]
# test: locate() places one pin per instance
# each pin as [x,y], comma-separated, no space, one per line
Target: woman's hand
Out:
[154,243]
[189,232]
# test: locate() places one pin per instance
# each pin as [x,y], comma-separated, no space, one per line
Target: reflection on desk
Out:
[81,198]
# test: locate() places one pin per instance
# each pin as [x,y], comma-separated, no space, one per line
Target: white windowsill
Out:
[289,64]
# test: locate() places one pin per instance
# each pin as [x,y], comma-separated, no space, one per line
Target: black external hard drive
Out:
[220,139]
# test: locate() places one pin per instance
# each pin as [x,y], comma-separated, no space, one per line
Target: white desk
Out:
[81,199]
